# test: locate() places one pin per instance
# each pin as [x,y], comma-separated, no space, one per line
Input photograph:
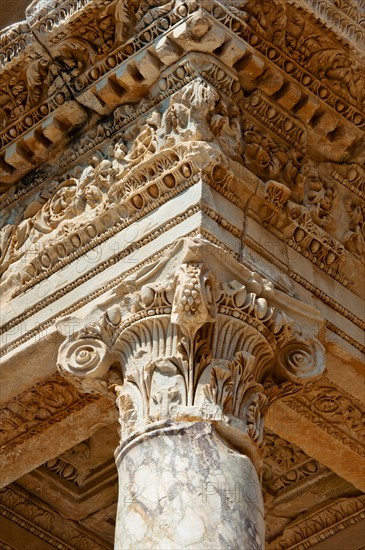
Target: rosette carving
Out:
[299,361]
[84,357]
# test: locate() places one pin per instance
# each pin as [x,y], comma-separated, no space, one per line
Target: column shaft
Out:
[181,486]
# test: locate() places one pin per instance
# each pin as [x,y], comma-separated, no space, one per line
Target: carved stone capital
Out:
[197,339]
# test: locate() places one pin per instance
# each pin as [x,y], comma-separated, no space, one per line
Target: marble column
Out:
[195,357]
[182,486]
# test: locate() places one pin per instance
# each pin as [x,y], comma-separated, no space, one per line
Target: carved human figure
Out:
[321,197]
[144,143]
[259,155]
[226,126]
[354,237]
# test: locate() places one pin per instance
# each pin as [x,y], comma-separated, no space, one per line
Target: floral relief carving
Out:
[354,238]
[41,520]
[301,225]
[53,223]
[270,162]
[235,389]
[86,44]
[245,114]
[320,197]
[285,464]
[285,27]
[21,92]
[192,346]
[37,409]
[334,411]
[198,112]
[314,527]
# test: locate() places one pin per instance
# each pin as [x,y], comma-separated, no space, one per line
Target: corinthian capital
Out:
[198,338]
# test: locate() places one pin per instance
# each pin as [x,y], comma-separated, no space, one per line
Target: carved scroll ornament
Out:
[191,346]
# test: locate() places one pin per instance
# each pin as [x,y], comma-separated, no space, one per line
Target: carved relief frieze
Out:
[14,40]
[277,120]
[36,410]
[342,15]
[174,79]
[32,91]
[354,236]
[296,226]
[40,14]
[351,176]
[315,244]
[220,179]
[42,521]
[150,22]
[322,55]
[268,160]
[105,68]
[53,218]
[246,23]
[285,465]
[62,229]
[325,225]
[334,411]
[243,113]
[29,90]
[77,40]
[321,525]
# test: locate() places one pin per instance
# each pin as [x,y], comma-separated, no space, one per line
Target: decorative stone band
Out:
[41,521]
[322,525]
[191,344]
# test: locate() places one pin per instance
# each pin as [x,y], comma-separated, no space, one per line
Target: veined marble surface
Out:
[181,487]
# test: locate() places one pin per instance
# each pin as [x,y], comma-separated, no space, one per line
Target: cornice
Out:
[333,410]
[342,16]
[69,15]
[39,519]
[321,524]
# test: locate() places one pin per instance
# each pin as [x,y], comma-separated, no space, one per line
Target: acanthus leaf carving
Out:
[235,389]
[191,346]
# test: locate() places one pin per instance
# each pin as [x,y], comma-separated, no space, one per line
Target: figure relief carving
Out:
[320,197]
[269,161]
[54,214]
[354,238]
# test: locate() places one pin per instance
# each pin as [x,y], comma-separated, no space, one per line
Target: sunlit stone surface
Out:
[182,487]
[182,264]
